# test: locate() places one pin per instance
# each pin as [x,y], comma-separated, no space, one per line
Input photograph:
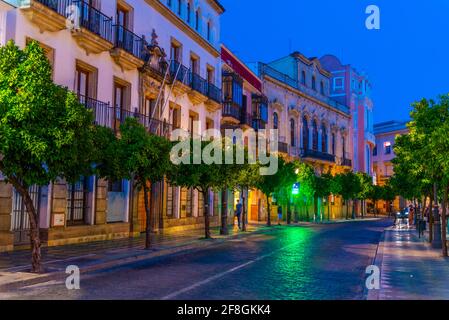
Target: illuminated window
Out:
[387,147]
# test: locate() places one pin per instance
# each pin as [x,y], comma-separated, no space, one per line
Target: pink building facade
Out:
[353,89]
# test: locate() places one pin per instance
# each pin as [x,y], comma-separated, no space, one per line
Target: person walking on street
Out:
[279,215]
[238,212]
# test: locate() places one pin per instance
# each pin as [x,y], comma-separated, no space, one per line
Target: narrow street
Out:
[293,263]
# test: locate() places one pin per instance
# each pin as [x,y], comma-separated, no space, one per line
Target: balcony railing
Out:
[128,41]
[179,72]
[318,155]
[271,72]
[59,6]
[94,20]
[102,111]
[347,162]
[246,119]
[231,110]
[283,147]
[214,93]
[258,124]
[198,84]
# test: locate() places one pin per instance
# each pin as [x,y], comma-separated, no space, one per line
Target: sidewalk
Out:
[14,266]
[410,268]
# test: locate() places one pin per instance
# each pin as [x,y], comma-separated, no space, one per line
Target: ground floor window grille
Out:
[77,202]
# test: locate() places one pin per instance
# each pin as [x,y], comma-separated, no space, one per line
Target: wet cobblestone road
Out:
[294,263]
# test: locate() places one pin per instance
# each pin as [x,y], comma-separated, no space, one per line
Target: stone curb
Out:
[182,249]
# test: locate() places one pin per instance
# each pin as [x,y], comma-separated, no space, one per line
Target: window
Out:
[197,20]
[322,88]
[343,144]
[85,81]
[176,118]
[122,17]
[169,3]
[115,186]
[315,135]
[122,101]
[179,7]
[77,202]
[275,121]
[292,133]
[375,151]
[189,12]
[210,75]
[387,147]
[323,138]
[194,64]
[149,107]
[303,77]
[175,52]
[305,134]
[313,83]
[338,83]
[209,30]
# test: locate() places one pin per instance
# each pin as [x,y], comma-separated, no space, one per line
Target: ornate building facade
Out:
[155,60]
[312,126]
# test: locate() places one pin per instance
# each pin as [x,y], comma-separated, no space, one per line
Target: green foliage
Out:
[347,185]
[366,185]
[45,132]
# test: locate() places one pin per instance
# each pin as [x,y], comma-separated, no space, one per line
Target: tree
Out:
[201,177]
[45,133]
[323,189]
[248,177]
[288,177]
[366,186]
[349,188]
[137,156]
[270,184]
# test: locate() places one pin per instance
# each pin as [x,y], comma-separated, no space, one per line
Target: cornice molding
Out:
[182,25]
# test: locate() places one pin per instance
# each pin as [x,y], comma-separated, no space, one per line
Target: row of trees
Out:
[422,164]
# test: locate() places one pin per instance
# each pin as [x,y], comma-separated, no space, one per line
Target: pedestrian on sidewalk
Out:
[238,213]
[279,215]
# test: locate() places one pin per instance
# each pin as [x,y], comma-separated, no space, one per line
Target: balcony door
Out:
[119,104]
[124,38]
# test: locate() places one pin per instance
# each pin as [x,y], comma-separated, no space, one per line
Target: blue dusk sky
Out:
[406,60]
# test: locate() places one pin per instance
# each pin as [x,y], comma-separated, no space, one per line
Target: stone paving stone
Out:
[411,269]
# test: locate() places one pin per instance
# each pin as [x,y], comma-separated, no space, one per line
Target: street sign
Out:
[295,189]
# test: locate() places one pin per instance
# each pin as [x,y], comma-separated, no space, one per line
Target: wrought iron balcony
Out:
[129,51]
[94,20]
[283,147]
[214,93]
[246,119]
[258,124]
[347,162]
[231,110]
[318,155]
[102,111]
[198,83]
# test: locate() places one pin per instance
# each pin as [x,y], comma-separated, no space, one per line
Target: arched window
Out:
[315,135]
[303,77]
[322,88]
[323,138]
[275,121]
[305,134]
[313,83]
[343,143]
[292,133]
[197,20]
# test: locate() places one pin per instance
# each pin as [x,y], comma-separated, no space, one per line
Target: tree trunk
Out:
[353,209]
[243,210]
[206,215]
[224,212]
[328,208]
[430,219]
[315,208]
[289,211]
[347,209]
[269,211]
[35,241]
[444,222]
[148,228]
